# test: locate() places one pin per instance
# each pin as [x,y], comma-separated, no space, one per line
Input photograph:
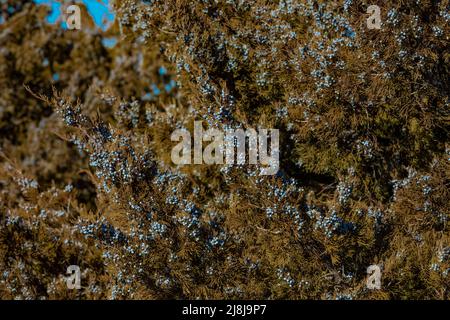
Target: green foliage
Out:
[86,176]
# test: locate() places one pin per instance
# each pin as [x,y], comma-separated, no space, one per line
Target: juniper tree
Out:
[86,172]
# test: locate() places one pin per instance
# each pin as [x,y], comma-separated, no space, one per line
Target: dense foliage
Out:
[86,176]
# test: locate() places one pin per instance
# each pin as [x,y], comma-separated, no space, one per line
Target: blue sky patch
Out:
[99,10]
